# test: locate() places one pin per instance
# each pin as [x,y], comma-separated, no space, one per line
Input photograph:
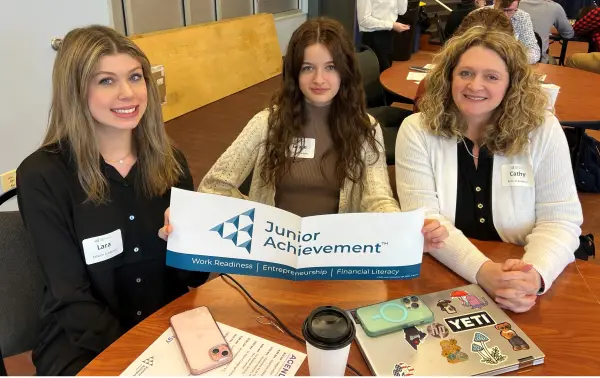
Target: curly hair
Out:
[490,18]
[521,110]
[348,120]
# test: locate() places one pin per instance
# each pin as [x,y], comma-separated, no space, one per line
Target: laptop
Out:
[470,335]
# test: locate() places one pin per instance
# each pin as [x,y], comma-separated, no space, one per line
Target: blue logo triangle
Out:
[231,236]
[247,245]
[250,214]
[248,229]
[232,220]
[218,229]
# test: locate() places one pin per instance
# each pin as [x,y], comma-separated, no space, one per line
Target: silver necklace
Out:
[467,148]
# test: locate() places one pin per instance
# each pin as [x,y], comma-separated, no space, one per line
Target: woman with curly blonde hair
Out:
[490,162]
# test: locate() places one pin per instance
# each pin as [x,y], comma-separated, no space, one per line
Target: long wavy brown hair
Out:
[72,123]
[521,111]
[348,121]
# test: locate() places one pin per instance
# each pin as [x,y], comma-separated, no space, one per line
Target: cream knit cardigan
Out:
[545,217]
[247,151]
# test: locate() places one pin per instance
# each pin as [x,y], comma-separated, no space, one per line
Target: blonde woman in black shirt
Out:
[93,196]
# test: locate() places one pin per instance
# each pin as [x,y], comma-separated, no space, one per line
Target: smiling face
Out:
[319,80]
[479,83]
[117,94]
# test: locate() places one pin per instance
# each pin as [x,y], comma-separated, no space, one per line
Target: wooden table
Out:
[564,323]
[579,98]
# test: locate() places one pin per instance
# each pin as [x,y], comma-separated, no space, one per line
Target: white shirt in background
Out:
[375,15]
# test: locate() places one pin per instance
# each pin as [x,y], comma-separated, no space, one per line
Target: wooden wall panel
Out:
[205,63]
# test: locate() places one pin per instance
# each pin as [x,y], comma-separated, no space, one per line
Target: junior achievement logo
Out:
[238,229]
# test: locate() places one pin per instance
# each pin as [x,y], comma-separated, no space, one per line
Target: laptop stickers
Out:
[470,335]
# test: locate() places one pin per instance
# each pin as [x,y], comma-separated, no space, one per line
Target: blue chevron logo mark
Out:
[238,229]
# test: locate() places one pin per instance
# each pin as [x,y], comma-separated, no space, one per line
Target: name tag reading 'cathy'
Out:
[103,247]
[304,147]
[517,175]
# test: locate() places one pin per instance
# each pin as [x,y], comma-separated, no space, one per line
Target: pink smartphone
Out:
[202,343]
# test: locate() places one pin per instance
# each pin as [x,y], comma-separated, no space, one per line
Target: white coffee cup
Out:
[551,91]
[328,332]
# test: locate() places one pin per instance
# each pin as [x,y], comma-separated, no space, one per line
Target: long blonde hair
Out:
[71,121]
[521,110]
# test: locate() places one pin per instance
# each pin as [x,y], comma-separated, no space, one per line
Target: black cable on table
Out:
[279,322]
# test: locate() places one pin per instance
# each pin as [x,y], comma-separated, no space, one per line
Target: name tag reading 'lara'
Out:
[517,175]
[103,247]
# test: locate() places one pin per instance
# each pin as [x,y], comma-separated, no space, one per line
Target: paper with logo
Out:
[228,235]
[252,355]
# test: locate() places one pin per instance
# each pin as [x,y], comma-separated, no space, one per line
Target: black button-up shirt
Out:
[95,302]
[474,193]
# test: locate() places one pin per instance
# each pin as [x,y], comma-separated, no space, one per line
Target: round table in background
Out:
[578,100]
[563,323]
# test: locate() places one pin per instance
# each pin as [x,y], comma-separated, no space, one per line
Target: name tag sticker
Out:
[517,175]
[103,247]
[304,146]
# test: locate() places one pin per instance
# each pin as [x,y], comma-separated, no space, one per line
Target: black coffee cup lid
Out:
[328,328]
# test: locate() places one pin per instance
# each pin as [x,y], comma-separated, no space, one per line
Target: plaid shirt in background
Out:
[589,25]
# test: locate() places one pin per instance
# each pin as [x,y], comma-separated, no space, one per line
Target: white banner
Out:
[222,234]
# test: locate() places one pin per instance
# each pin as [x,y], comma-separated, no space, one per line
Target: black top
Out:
[96,302]
[474,194]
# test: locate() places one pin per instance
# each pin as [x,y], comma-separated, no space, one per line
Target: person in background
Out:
[458,15]
[93,196]
[572,7]
[546,14]
[587,26]
[523,27]
[488,160]
[315,150]
[490,18]
[377,22]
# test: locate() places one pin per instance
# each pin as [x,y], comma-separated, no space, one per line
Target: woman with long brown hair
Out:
[92,197]
[488,160]
[315,150]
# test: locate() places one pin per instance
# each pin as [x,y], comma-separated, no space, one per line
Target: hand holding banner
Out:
[221,234]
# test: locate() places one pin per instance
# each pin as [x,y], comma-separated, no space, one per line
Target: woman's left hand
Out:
[435,234]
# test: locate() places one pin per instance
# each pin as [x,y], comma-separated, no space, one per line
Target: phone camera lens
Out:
[414,299]
[215,351]
[406,300]
[225,353]
[414,305]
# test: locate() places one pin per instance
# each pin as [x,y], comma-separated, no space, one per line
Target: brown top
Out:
[310,187]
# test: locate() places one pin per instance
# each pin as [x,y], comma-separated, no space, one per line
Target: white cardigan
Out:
[247,151]
[544,217]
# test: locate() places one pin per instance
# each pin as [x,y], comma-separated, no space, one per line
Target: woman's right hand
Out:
[166,230]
